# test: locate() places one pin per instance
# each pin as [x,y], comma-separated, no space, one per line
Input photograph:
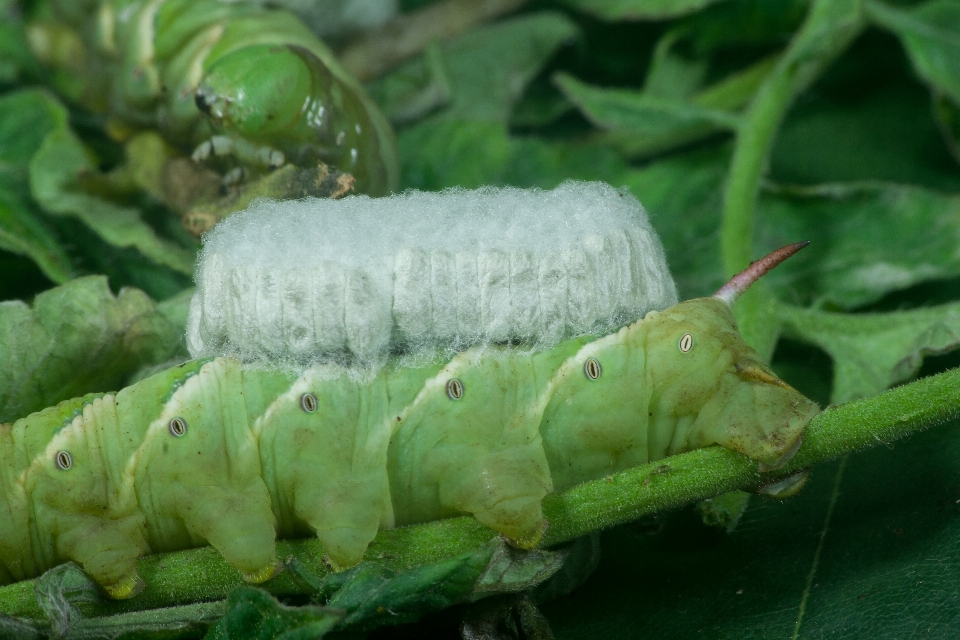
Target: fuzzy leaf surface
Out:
[75,339]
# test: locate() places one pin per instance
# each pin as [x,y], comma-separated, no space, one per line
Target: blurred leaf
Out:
[77,338]
[435,155]
[26,117]
[930,33]
[637,9]
[17,64]
[742,23]
[15,629]
[22,232]
[416,89]
[54,171]
[682,195]
[638,111]
[644,124]
[671,75]
[852,259]
[176,308]
[253,614]
[867,239]
[872,352]
[541,104]
[947,114]
[736,90]
[878,132]
[491,66]
[466,143]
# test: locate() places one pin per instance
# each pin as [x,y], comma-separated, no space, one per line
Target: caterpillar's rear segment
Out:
[96,481]
[76,506]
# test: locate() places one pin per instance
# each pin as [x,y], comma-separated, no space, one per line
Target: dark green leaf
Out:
[16,62]
[26,118]
[253,614]
[867,239]
[736,90]
[373,596]
[488,67]
[682,195]
[54,171]
[582,559]
[867,550]
[23,232]
[470,154]
[862,123]
[188,621]
[743,23]
[417,89]
[930,33]
[542,104]
[947,114]
[77,338]
[643,124]
[14,629]
[638,112]
[852,259]
[672,75]
[637,9]
[874,351]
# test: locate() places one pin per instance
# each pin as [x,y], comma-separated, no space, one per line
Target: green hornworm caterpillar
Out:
[232,455]
[218,78]
[421,272]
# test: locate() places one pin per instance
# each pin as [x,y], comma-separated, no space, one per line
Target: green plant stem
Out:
[202,574]
[830,27]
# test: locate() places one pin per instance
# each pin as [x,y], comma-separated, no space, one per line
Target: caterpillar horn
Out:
[758,268]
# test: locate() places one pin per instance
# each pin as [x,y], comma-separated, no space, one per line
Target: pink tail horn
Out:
[742,281]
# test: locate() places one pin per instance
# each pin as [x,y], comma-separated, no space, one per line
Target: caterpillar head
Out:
[291,101]
[703,370]
[261,104]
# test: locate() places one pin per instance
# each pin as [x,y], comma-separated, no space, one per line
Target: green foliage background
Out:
[741,125]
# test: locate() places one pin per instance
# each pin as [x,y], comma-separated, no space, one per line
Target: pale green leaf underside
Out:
[77,338]
[874,351]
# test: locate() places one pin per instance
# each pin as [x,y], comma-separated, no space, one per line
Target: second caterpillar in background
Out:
[249,85]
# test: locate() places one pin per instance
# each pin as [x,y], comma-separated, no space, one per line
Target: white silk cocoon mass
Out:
[357,279]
